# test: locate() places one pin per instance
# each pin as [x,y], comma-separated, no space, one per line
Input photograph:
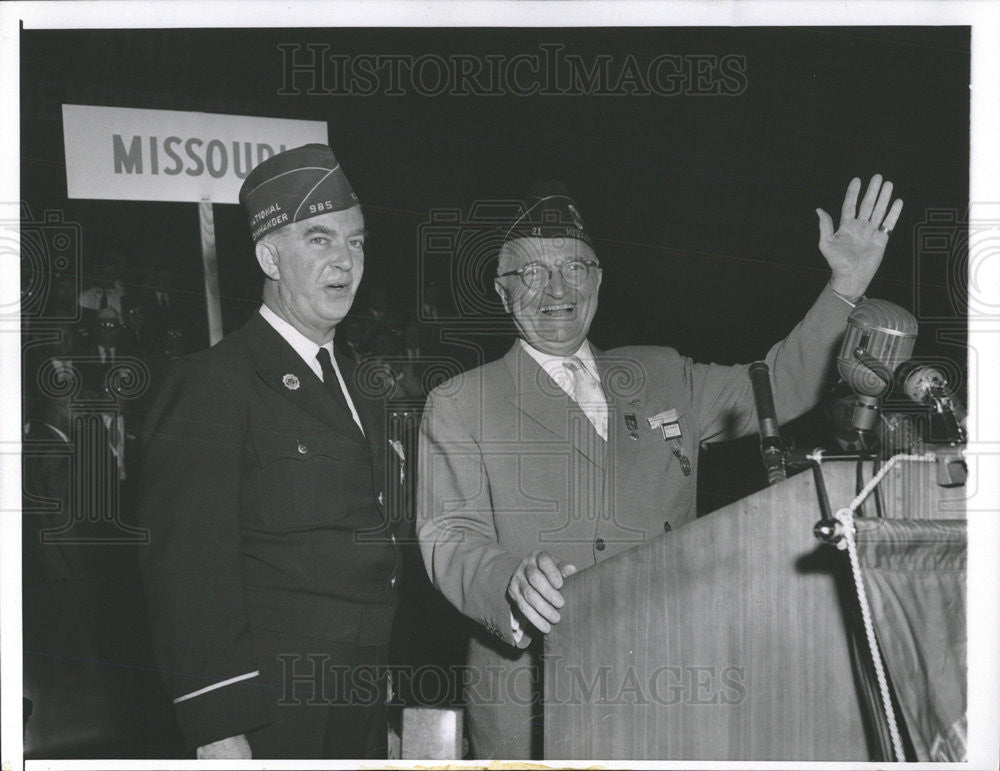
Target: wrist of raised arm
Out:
[848,289]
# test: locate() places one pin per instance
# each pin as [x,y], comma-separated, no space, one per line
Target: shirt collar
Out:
[552,364]
[303,346]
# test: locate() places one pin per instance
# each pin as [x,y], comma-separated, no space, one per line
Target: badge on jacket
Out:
[668,422]
[397,447]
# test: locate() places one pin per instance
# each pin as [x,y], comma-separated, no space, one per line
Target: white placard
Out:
[127,154]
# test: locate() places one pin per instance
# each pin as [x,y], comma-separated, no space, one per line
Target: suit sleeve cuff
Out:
[852,301]
[515,629]
[214,713]
[521,638]
[492,597]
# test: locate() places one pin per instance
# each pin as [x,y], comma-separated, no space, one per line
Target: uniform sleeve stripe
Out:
[212,687]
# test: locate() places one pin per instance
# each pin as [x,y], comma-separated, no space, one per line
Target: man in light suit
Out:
[559,456]
[272,568]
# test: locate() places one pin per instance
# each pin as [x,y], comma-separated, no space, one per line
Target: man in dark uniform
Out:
[272,569]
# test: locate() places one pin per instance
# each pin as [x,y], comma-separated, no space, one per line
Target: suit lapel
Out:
[284,372]
[539,398]
[623,381]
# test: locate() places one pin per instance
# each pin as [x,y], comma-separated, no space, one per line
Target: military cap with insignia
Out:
[548,212]
[295,185]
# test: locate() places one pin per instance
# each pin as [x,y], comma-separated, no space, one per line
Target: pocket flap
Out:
[301,446]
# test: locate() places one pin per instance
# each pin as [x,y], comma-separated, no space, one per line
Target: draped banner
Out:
[914,574]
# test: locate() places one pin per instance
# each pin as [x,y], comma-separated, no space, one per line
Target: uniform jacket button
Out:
[666,527]
[599,544]
[303,449]
[392,582]
[381,498]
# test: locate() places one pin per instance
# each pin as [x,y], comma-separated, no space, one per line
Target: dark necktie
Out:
[104,298]
[330,378]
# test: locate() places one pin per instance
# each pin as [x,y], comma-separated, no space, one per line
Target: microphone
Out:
[770,436]
[880,336]
[928,386]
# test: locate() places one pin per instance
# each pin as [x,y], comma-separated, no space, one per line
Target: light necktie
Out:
[587,392]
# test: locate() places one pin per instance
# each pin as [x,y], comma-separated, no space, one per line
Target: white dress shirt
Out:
[555,369]
[594,404]
[307,349]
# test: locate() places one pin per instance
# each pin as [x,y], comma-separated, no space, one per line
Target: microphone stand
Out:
[771,448]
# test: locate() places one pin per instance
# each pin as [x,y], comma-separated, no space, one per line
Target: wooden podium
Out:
[725,639]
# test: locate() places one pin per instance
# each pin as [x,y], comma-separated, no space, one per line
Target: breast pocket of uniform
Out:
[301,478]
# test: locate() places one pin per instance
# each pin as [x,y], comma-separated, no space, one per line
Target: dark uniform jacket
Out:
[265,508]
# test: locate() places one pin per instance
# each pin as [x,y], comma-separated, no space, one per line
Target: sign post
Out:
[125,154]
[210,265]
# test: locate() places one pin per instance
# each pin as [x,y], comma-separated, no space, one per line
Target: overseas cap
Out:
[292,186]
[548,212]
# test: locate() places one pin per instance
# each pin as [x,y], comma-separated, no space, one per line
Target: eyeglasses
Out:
[536,276]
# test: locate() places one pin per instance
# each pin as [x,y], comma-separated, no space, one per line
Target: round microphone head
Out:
[884,316]
[921,380]
[881,330]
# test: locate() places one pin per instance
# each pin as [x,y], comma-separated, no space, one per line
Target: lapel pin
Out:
[290,382]
[397,447]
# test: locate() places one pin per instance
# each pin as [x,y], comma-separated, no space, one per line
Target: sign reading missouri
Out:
[119,153]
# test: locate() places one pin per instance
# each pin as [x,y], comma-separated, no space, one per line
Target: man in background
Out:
[104,290]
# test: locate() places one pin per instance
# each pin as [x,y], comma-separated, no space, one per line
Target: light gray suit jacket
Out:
[510,464]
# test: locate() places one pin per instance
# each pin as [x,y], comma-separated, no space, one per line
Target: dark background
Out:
[702,207]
